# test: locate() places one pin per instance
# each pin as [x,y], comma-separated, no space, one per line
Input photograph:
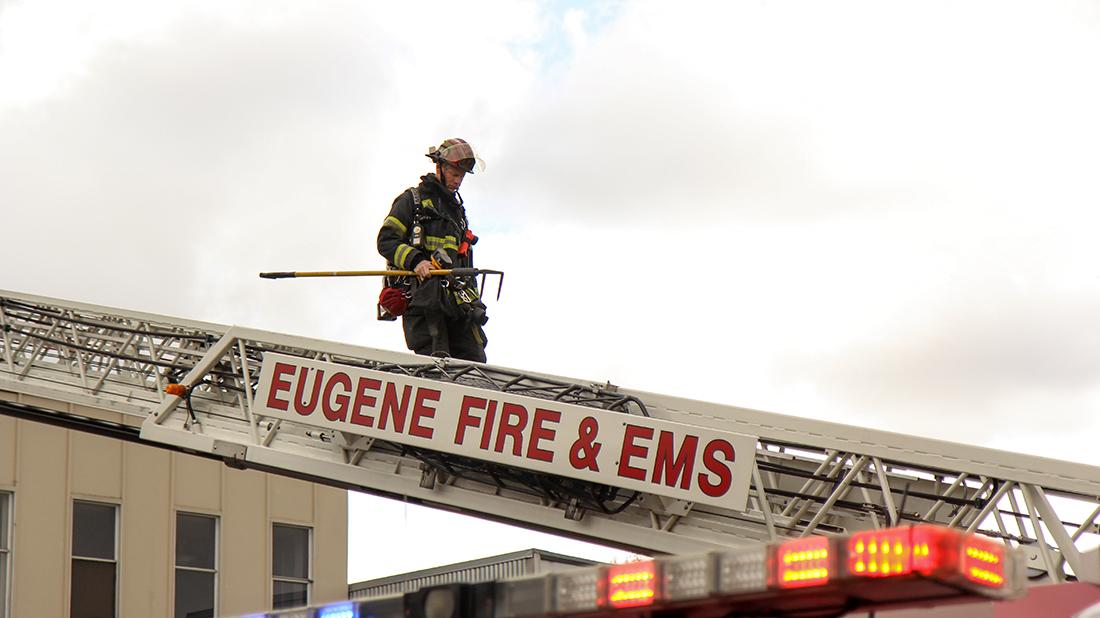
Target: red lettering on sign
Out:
[490,418]
[391,408]
[340,411]
[465,419]
[300,405]
[631,450]
[540,433]
[422,411]
[279,384]
[720,468]
[362,399]
[511,430]
[671,465]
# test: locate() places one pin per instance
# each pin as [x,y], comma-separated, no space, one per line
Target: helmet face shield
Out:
[459,153]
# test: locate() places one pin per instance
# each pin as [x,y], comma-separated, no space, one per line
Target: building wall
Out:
[45,468]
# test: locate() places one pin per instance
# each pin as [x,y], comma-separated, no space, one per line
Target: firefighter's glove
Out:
[393,301]
[423,269]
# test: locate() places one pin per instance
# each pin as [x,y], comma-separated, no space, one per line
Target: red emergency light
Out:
[803,562]
[632,584]
[893,567]
[883,553]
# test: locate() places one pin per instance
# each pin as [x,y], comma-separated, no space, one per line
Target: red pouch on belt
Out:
[393,301]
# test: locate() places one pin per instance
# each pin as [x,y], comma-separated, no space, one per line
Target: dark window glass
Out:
[93,530]
[93,589]
[196,565]
[290,594]
[290,554]
[195,541]
[93,580]
[290,566]
[194,594]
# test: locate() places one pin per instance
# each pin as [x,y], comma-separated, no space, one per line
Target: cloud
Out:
[962,352]
[170,156]
[778,111]
[977,362]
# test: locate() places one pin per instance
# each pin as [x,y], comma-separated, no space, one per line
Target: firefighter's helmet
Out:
[457,152]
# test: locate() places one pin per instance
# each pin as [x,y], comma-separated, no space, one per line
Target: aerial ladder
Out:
[652,473]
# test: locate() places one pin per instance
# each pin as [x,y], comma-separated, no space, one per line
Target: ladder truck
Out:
[746,511]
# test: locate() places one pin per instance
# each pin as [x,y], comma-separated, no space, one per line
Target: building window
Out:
[5,551]
[290,566]
[95,566]
[196,565]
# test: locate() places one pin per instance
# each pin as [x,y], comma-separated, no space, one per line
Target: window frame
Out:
[216,571]
[308,581]
[7,498]
[116,508]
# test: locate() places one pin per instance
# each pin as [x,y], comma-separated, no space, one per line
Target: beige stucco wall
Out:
[47,467]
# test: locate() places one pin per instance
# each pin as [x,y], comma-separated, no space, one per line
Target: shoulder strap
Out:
[416,232]
[418,213]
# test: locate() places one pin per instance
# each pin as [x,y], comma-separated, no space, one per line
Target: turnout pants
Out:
[436,335]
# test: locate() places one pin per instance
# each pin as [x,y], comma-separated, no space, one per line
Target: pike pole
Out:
[436,272]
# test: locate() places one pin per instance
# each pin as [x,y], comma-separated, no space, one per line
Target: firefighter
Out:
[427,229]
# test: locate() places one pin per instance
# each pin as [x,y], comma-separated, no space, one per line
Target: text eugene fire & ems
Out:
[612,448]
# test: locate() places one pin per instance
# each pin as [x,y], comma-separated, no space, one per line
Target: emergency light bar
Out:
[921,564]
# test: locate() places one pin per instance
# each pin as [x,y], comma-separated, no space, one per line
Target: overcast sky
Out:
[875,213]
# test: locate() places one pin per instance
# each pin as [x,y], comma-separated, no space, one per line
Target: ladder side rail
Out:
[100,360]
[978,501]
[62,373]
[781,474]
[914,450]
[117,312]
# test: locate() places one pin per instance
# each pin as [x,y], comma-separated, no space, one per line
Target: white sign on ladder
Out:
[660,457]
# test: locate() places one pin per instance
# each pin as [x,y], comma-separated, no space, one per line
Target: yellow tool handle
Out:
[370,273]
